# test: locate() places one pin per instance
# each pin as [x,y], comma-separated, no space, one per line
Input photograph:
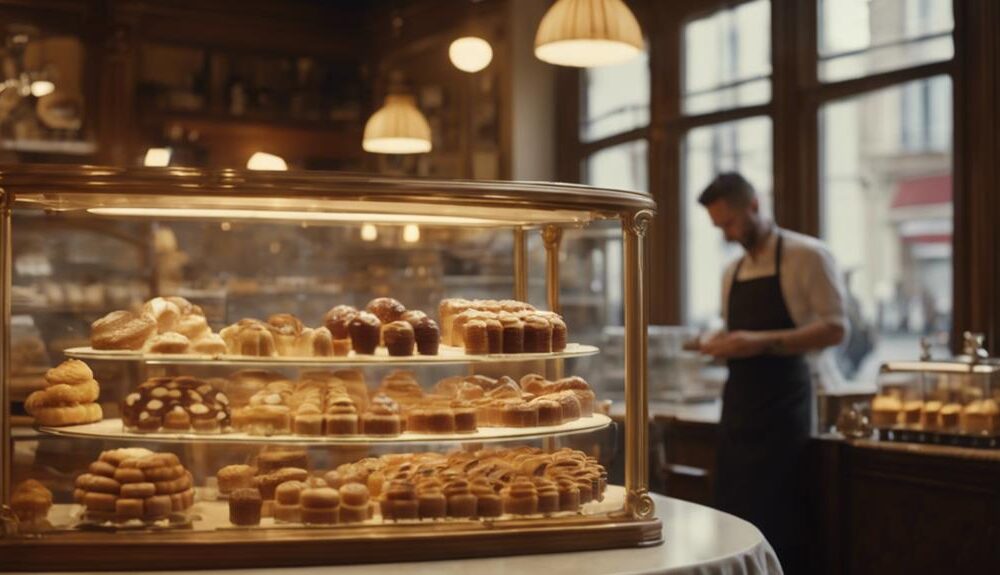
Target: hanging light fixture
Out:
[588,33]
[266,162]
[470,53]
[411,233]
[369,232]
[157,157]
[398,127]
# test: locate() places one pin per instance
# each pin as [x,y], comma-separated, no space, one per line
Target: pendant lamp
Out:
[398,127]
[588,33]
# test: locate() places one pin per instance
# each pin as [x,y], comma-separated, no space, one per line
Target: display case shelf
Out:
[446,355]
[114,430]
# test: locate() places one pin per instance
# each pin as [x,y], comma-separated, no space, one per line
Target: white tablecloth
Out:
[698,540]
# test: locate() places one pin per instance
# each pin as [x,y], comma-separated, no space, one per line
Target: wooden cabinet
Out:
[689,447]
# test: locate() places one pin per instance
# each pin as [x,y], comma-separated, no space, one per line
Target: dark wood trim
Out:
[569,97]
[976,172]
[847,88]
[587,148]
[686,123]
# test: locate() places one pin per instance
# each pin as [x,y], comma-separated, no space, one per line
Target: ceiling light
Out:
[470,54]
[588,33]
[411,233]
[398,127]
[369,232]
[157,158]
[41,88]
[266,162]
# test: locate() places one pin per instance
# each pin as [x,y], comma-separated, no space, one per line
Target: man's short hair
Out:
[731,187]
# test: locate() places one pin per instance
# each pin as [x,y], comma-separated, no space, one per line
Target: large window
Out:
[609,107]
[887,217]
[743,146]
[727,59]
[861,37]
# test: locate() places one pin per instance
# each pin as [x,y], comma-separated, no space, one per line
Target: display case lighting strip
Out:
[347,217]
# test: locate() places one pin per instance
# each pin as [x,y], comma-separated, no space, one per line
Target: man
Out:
[782,300]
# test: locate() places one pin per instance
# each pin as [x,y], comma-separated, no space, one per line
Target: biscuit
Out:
[100,502]
[78,495]
[117,456]
[158,460]
[183,500]
[325,516]
[98,484]
[138,490]
[102,468]
[129,508]
[174,485]
[68,415]
[164,473]
[127,475]
[158,506]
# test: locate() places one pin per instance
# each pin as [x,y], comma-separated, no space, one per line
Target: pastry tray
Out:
[446,355]
[113,429]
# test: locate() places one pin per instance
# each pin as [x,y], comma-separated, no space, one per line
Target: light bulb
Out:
[369,232]
[411,233]
[41,88]
[470,54]
[157,158]
[266,162]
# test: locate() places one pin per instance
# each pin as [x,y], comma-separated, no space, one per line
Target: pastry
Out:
[386,309]
[461,501]
[535,384]
[447,310]
[494,335]
[31,501]
[267,483]
[427,336]
[242,385]
[930,415]
[291,338]
[176,404]
[382,417]
[289,492]
[194,326]
[245,506]
[69,372]
[886,410]
[911,411]
[548,495]
[475,337]
[512,338]
[354,504]
[569,404]
[270,461]
[139,490]
[341,417]
[249,337]
[399,338]
[559,333]
[431,502]
[158,506]
[569,493]
[488,503]
[122,330]
[549,411]
[517,413]
[322,343]
[63,394]
[466,419]
[950,416]
[537,334]
[211,344]
[399,501]
[338,319]
[586,396]
[166,313]
[320,505]
[68,415]
[365,330]
[981,416]
[143,485]
[233,477]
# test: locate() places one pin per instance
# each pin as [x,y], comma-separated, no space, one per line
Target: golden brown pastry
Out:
[167,342]
[537,334]
[166,313]
[31,502]
[233,477]
[338,319]
[386,309]
[245,506]
[365,331]
[513,333]
[211,344]
[475,337]
[382,417]
[59,416]
[249,337]
[399,338]
[122,330]
[886,410]
[354,503]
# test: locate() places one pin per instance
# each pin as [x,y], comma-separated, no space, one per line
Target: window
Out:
[609,109]
[743,146]
[624,166]
[727,59]
[862,37]
[886,185]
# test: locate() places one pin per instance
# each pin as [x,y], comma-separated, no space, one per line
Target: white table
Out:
[699,540]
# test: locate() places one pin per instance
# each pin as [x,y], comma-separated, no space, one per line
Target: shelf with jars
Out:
[347,436]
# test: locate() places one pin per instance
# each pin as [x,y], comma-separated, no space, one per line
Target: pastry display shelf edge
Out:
[296,545]
[446,355]
[113,429]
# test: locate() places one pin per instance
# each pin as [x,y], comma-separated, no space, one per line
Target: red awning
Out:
[923,191]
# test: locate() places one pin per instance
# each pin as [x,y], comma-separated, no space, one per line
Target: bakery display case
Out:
[945,402]
[269,390]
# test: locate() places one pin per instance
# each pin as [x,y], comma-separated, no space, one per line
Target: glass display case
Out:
[207,369]
[953,402]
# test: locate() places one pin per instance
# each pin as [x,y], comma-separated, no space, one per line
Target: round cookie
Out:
[158,506]
[165,473]
[102,468]
[98,484]
[129,508]
[129,475]
[117,456]
[100,502]
[183,500]
[174,485]
[138,490]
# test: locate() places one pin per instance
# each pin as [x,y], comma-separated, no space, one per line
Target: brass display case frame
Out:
[518,206]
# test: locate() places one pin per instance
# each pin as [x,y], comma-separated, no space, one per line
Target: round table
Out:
[698,540]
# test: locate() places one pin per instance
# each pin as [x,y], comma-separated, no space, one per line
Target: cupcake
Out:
[488,503]
[537,335]
[386,309]
[427,335]
[244,506]
[461,501]
[513,333]
[364,330]
[494,336]
[399,338]
[520,497]
[475,337]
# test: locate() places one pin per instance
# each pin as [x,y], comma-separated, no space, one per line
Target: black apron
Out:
[765,421]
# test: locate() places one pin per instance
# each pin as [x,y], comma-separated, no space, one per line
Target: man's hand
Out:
[737,344]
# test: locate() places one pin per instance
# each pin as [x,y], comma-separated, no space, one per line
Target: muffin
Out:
[427,336]
[245,506]
[338,319]
[399,338]
[386,309]
[364,330]
[513,333]
[475,337]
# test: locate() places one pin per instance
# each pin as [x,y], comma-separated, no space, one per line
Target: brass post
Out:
[6,450]
[552,236]
[638,502]
[520,265]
